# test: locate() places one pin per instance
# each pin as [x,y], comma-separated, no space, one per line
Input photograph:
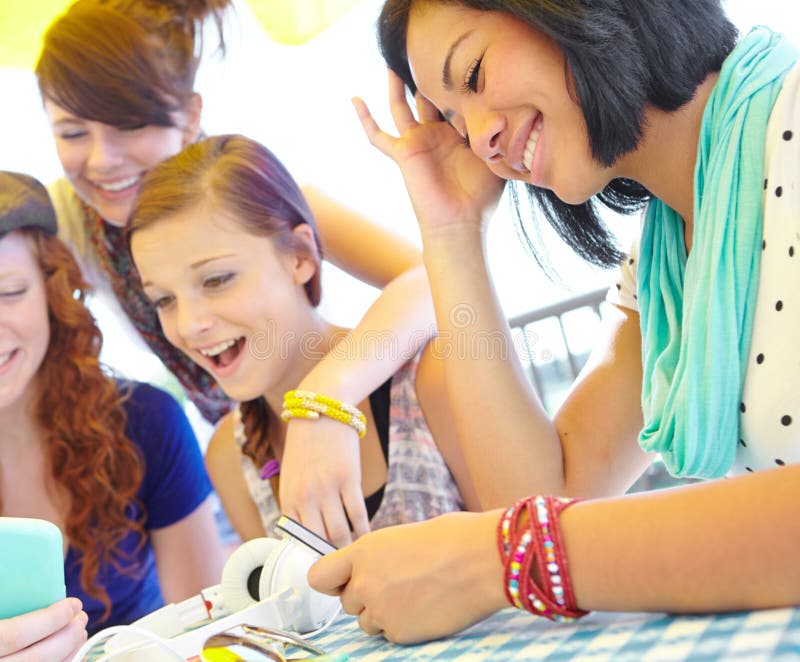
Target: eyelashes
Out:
[10,294]
[473,74]
[214,282]
[470,84]
[161,302]
[209,283]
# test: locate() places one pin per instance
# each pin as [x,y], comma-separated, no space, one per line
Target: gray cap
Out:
[24,203]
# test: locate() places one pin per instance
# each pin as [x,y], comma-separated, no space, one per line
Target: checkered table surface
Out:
[772,635]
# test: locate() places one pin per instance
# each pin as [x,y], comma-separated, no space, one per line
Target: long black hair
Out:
[621,56]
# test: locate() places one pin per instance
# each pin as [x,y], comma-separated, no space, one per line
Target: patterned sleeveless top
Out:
[418,484]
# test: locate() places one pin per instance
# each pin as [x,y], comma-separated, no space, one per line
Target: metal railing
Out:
[544,370]
[551,382]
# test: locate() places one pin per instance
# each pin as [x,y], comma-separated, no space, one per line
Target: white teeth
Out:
[218,349]
[530,146]
[118,185]
[5,358]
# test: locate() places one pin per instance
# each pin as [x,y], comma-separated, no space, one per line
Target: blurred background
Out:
[295,98]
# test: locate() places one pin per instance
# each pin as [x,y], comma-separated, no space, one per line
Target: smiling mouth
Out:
[224,353]
[118,185]
[530,145]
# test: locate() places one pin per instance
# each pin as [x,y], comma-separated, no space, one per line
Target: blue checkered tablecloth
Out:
[772,635]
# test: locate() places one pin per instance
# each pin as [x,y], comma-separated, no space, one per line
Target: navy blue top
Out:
[175,483]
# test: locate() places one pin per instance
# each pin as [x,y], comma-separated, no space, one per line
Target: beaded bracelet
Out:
[540,542]
[310,405]
[507,528]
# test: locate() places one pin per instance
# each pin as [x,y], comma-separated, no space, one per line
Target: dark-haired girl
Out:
[635,105]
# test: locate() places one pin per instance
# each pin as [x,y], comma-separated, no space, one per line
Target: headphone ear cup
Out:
[242,574]
[287,567]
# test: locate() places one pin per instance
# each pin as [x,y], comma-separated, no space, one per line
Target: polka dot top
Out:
[769,419]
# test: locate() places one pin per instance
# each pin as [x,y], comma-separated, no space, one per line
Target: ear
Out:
[306,260]
[193,113]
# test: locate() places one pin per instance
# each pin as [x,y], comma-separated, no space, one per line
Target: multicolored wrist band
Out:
[537,540]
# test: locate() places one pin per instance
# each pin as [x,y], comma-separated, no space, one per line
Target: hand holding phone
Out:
[31,565]
[53,633]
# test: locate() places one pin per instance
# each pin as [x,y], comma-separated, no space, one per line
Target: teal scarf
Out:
[696,314]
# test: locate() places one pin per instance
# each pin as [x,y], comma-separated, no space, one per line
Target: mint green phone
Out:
[31,565]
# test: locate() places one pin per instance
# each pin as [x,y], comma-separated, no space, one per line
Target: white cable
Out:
[95,639]
[325,625]
[150,637]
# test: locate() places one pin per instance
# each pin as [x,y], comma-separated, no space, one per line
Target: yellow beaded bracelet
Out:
[310,405]
[311,397]
[339,413]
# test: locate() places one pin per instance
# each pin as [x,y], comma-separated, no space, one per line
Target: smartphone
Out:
[297,531]
[31,565]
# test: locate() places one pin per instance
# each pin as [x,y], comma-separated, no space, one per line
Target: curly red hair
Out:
[90,457]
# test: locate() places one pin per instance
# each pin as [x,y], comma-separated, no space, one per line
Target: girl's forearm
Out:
[500,420]
[392,331]
[724,545]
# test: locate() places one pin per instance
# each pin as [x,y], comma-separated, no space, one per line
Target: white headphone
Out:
[277,566]
[263,584]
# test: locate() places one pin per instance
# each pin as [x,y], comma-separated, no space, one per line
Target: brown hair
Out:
[126,63]
[89,455]
[244,178]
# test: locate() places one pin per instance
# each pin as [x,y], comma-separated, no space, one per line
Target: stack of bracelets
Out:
[307,404]
[538,541]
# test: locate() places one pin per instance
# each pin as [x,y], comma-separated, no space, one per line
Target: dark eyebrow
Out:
[447,79]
